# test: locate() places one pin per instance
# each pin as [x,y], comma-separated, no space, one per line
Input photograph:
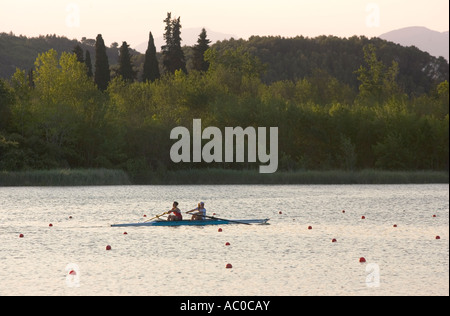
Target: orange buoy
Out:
[362,259]
[228,266]
[108,247]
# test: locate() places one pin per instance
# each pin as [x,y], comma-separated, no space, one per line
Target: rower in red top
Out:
[176,213]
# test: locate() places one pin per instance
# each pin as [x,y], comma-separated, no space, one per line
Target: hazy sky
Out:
[131,20]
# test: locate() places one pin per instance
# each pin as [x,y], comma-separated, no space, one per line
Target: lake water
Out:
[283,258]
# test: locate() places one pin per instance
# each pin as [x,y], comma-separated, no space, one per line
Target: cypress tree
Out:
[202,46]
[102,75]
[79,52]
[173,55]
[88,62]
[125,66]
[151,67]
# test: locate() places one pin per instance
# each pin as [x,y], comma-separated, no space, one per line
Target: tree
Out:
[172,54]
[151,67]
[79,53]
[88,63]
[125,66]
[102,75]
[202,46]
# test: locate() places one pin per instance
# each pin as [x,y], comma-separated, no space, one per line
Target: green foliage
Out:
[63,121]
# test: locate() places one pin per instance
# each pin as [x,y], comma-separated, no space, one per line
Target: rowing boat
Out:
[195,223]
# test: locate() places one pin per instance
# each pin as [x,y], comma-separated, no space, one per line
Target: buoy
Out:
[280,212]
[343,211]
[363,217]
[227,243]
[309,227]
[214,214]
[145,215]
[228,266]
[125,233]
[362,259]
[108,247]
[72,272]
[334,240]
[438,237]
[434,215]
[395,225]
[21,236]
[70,217]
[50,225]
[219,230]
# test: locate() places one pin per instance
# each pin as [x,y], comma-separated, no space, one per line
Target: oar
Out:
[157,216]
[222,219]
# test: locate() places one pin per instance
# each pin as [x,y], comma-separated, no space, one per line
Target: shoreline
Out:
[103,177]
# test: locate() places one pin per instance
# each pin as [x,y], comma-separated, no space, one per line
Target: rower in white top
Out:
[201,212]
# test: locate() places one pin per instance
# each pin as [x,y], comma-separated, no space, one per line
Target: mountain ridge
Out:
[433,42]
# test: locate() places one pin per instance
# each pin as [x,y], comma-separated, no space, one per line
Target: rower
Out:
[176,213]
[201,212]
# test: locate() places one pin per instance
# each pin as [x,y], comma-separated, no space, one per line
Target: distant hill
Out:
[21,51]
[433,42]
[189,36]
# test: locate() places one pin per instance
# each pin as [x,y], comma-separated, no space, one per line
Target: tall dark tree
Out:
[199,62]
[125,65]
[173,55]
[102,74]
[151,67]
[79,52]
[88,62]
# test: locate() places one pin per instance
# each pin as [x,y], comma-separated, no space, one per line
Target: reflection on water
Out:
[284,258]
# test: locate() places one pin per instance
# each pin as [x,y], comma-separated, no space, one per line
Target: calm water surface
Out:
[284,258]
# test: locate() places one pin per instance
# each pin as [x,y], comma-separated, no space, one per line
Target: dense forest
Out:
[347,104]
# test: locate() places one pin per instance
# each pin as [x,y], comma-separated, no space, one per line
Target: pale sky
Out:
[131,20]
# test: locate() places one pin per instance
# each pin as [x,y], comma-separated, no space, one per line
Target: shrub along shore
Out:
[99,177]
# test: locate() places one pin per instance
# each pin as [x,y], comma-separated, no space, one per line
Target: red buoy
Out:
[343,211]
[72,272]
[144,215]
[309,227]
[50,225]
[334,240]
[108,247]
[227,243]
[70,217]
[362,259]
[21,236]
[395,225]
[363,217]
[438,237]
[125,233]
[228,266]
[434,215]
[219,230]
[280,212]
